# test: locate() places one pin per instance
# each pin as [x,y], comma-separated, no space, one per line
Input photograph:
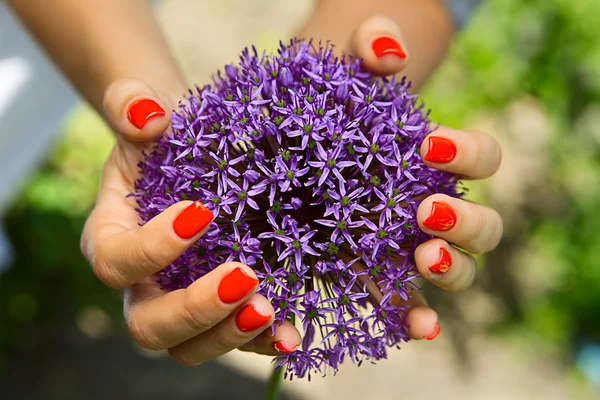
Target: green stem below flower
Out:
[274,385]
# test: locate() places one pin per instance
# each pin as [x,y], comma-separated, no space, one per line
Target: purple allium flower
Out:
[311,168]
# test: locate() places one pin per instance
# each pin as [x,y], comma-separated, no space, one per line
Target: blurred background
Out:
[526,71]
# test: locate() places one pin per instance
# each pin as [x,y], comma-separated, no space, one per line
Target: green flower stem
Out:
[274,385]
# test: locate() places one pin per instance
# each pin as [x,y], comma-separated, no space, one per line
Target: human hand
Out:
[457,224]
[218,312]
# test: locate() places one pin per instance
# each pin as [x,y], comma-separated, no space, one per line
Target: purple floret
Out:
[311,167]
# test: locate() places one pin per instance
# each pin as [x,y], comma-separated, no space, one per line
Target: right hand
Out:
[217,313]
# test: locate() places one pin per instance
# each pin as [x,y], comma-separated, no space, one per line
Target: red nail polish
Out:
[435,333]
[387,45]
[282,348]
[236,285]
[442,217]
[441,150]
[140,111]
[249,319]
[444,264]
[192,220]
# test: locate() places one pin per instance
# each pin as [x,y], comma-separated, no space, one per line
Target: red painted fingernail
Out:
[236,285]
[249,319]
[282,348]
[435,333]
[140,111]
[442,217]
[444,264]
[387,45]
[441,150]
[192,220]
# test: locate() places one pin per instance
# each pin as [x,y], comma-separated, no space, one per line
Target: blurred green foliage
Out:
[513,49]
[548,51]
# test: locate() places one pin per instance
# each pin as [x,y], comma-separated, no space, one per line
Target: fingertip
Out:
[256,314]
[236,282]
[467,153]
[142,111]
[437,149]
[433,258]
[435,213]
[263,306]
[135,111]
[378,42]
[193,221]
[285,340]
[233,265]
[435,333]
[281,347]
[422,322]
[387,45]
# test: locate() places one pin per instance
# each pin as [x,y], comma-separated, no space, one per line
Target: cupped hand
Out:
[217,313]
[221,311]
[460,227]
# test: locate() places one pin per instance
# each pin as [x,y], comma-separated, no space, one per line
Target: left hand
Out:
[457,224]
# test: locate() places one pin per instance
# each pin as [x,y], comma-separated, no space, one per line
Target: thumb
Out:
[378,41]
[135,111]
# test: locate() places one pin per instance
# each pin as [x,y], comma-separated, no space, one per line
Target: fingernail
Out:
[236,285]
[192,220]
[140,111]
[442,217]
[387,45]
[249,319]
[444,264]
[436,332]
[282,348]
[441,150]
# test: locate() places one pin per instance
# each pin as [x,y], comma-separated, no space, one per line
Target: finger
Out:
[445,266]
[121,255]
[473,227]
[422,323]
[378,42]
[471,154]
[234,331]
[135,111]
[167,320]
[286,339]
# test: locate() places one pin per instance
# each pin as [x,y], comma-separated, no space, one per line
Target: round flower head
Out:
[311,167]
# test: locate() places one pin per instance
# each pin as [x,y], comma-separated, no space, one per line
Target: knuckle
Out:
[147,255]
[192,315]
[143,336]
[106,272]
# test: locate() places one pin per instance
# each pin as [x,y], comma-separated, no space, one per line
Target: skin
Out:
[114,67]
